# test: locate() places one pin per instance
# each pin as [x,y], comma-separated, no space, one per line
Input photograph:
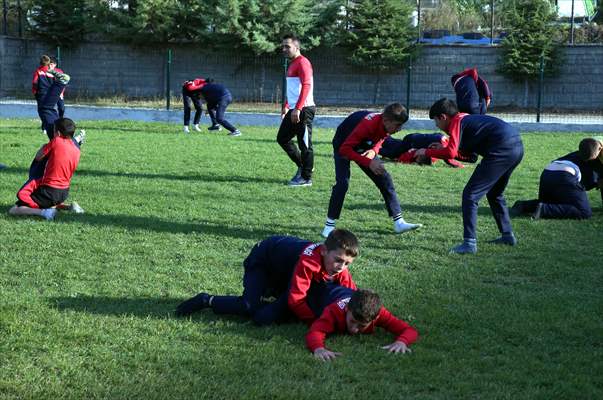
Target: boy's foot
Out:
[186,129]
[401,226]
[193,304]
[61,76]
[467,247]
[75,208]
[49,213]
[80,137]
[297,175]
[235,133]
[300,182]
[509,240]
[327,230]
[538,212]
[214,128]
[196,128]
[2,166]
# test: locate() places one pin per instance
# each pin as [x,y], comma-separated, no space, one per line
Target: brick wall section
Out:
[103,69]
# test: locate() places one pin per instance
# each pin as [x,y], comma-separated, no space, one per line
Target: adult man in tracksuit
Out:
[501,149]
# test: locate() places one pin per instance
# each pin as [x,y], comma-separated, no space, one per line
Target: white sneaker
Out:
[49,213]
[401,226]
[75,208]
[235,133]
[327,231]
[186,130]
[196,128]
[80,137]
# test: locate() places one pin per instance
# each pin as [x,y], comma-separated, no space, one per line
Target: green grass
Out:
[87,300]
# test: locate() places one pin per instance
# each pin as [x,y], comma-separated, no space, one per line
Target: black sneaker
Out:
[214,128]
[193,304]
[509,240]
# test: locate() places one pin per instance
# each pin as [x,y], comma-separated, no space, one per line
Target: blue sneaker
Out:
[235,133]
[508,239]
[467,247]
[49,213]
[300,182]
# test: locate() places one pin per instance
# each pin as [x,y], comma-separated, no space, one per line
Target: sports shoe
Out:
[49,213]
[297,175]
[401,226]
[508,239]
[196,128]
[300,182]
[186,129]
[327,231]
[2,166]
[61,76]
[193,304]
[214,128]
[467,247]
[75,208]
[80,137]
[235,133]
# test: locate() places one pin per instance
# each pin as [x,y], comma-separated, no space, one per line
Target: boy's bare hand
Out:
[325,355]
[397,347]
[369,154]
[377,166]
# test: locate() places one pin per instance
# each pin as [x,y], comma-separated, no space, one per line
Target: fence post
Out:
[167,79]
[419,20]
[4,18]
[572,29]
[540,84]
[284,89]
[408,74]
[59,55]
[19,18]
[491,22]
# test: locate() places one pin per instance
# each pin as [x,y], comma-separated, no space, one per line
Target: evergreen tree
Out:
[62,23]
[381,34]
[531,32]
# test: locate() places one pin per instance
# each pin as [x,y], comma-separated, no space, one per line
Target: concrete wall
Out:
[102,69]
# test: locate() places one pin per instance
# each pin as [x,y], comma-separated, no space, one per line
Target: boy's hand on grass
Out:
[419,152]
[377,166]
[325,355]
[397,347]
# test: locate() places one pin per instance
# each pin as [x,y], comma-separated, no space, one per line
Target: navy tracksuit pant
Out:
[47,104]
[490,178]
[268,270]
[467,97]
[383,182]
[302,154]
[217,110]
[195,98]
[562,196]
[394,148]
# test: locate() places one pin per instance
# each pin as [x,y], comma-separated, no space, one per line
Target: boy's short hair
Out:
[44,60]
[589,149]
[364,305]
[342,239]
[65,126]
[443,106]
[395,112]
[54,60]
[293,38]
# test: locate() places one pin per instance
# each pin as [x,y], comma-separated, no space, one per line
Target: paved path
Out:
[418,120]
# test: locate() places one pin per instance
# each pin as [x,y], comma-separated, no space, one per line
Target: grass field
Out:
[87,300]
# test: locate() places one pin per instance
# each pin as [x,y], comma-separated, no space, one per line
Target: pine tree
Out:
[62,23]
[531,35]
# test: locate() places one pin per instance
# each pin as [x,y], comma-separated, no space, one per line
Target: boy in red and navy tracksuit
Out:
[358,138]
[191,92]
[48,95]
[298,112]
[40,196]
[404,150]
[564,183]
[473,94]
[218,97]
[358,312]
[268,272]
[501,149]
[320,266]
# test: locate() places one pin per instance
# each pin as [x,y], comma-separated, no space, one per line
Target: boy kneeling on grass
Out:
[358,311]
[43,195]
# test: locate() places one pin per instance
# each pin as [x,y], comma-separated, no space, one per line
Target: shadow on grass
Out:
[410,208]
[158,225]
[138,175]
